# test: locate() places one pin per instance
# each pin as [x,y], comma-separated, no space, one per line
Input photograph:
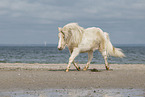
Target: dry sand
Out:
[20,76]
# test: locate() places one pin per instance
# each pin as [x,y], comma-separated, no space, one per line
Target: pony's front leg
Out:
[72,57]
[75,64]
[77,67]
[90,56]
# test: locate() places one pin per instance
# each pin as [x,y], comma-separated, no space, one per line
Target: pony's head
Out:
[62,41]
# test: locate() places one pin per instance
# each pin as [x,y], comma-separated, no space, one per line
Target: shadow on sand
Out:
[91,70]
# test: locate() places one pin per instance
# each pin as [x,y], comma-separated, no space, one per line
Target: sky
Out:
[37,21]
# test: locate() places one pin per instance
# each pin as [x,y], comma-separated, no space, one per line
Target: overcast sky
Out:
[36,21]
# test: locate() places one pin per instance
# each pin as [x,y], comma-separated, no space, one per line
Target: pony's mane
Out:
[73,33]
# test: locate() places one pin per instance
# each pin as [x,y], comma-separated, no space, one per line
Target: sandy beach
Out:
[20,76]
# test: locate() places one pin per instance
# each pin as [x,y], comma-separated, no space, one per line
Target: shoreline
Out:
[41,66]
[22,76]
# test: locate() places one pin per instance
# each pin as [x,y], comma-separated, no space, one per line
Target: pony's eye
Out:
[63,36]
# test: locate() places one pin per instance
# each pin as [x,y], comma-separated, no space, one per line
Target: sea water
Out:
[50,54]
[76,93]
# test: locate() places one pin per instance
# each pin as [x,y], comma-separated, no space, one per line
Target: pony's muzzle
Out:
[60,48]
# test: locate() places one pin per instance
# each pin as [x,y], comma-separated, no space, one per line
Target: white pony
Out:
[80,40]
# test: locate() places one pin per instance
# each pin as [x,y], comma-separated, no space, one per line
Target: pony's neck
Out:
[74,39]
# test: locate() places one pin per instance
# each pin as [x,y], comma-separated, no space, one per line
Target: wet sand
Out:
[30,77]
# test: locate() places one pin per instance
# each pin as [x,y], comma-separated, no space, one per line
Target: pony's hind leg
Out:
[104,54]
[90,56]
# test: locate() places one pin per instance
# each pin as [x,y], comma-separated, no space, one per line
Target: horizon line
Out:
[56,44]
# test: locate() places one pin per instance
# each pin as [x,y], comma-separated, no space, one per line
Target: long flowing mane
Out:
[73,34]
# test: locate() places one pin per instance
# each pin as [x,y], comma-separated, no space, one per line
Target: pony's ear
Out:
[59,29]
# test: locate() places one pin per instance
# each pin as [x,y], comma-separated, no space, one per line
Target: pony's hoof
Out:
[107,68]
[85,69]
[78,68]
[67,70]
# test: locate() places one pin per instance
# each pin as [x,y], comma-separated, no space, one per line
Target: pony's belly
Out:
[88,48]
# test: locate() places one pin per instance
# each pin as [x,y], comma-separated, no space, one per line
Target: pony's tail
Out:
[111,50]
